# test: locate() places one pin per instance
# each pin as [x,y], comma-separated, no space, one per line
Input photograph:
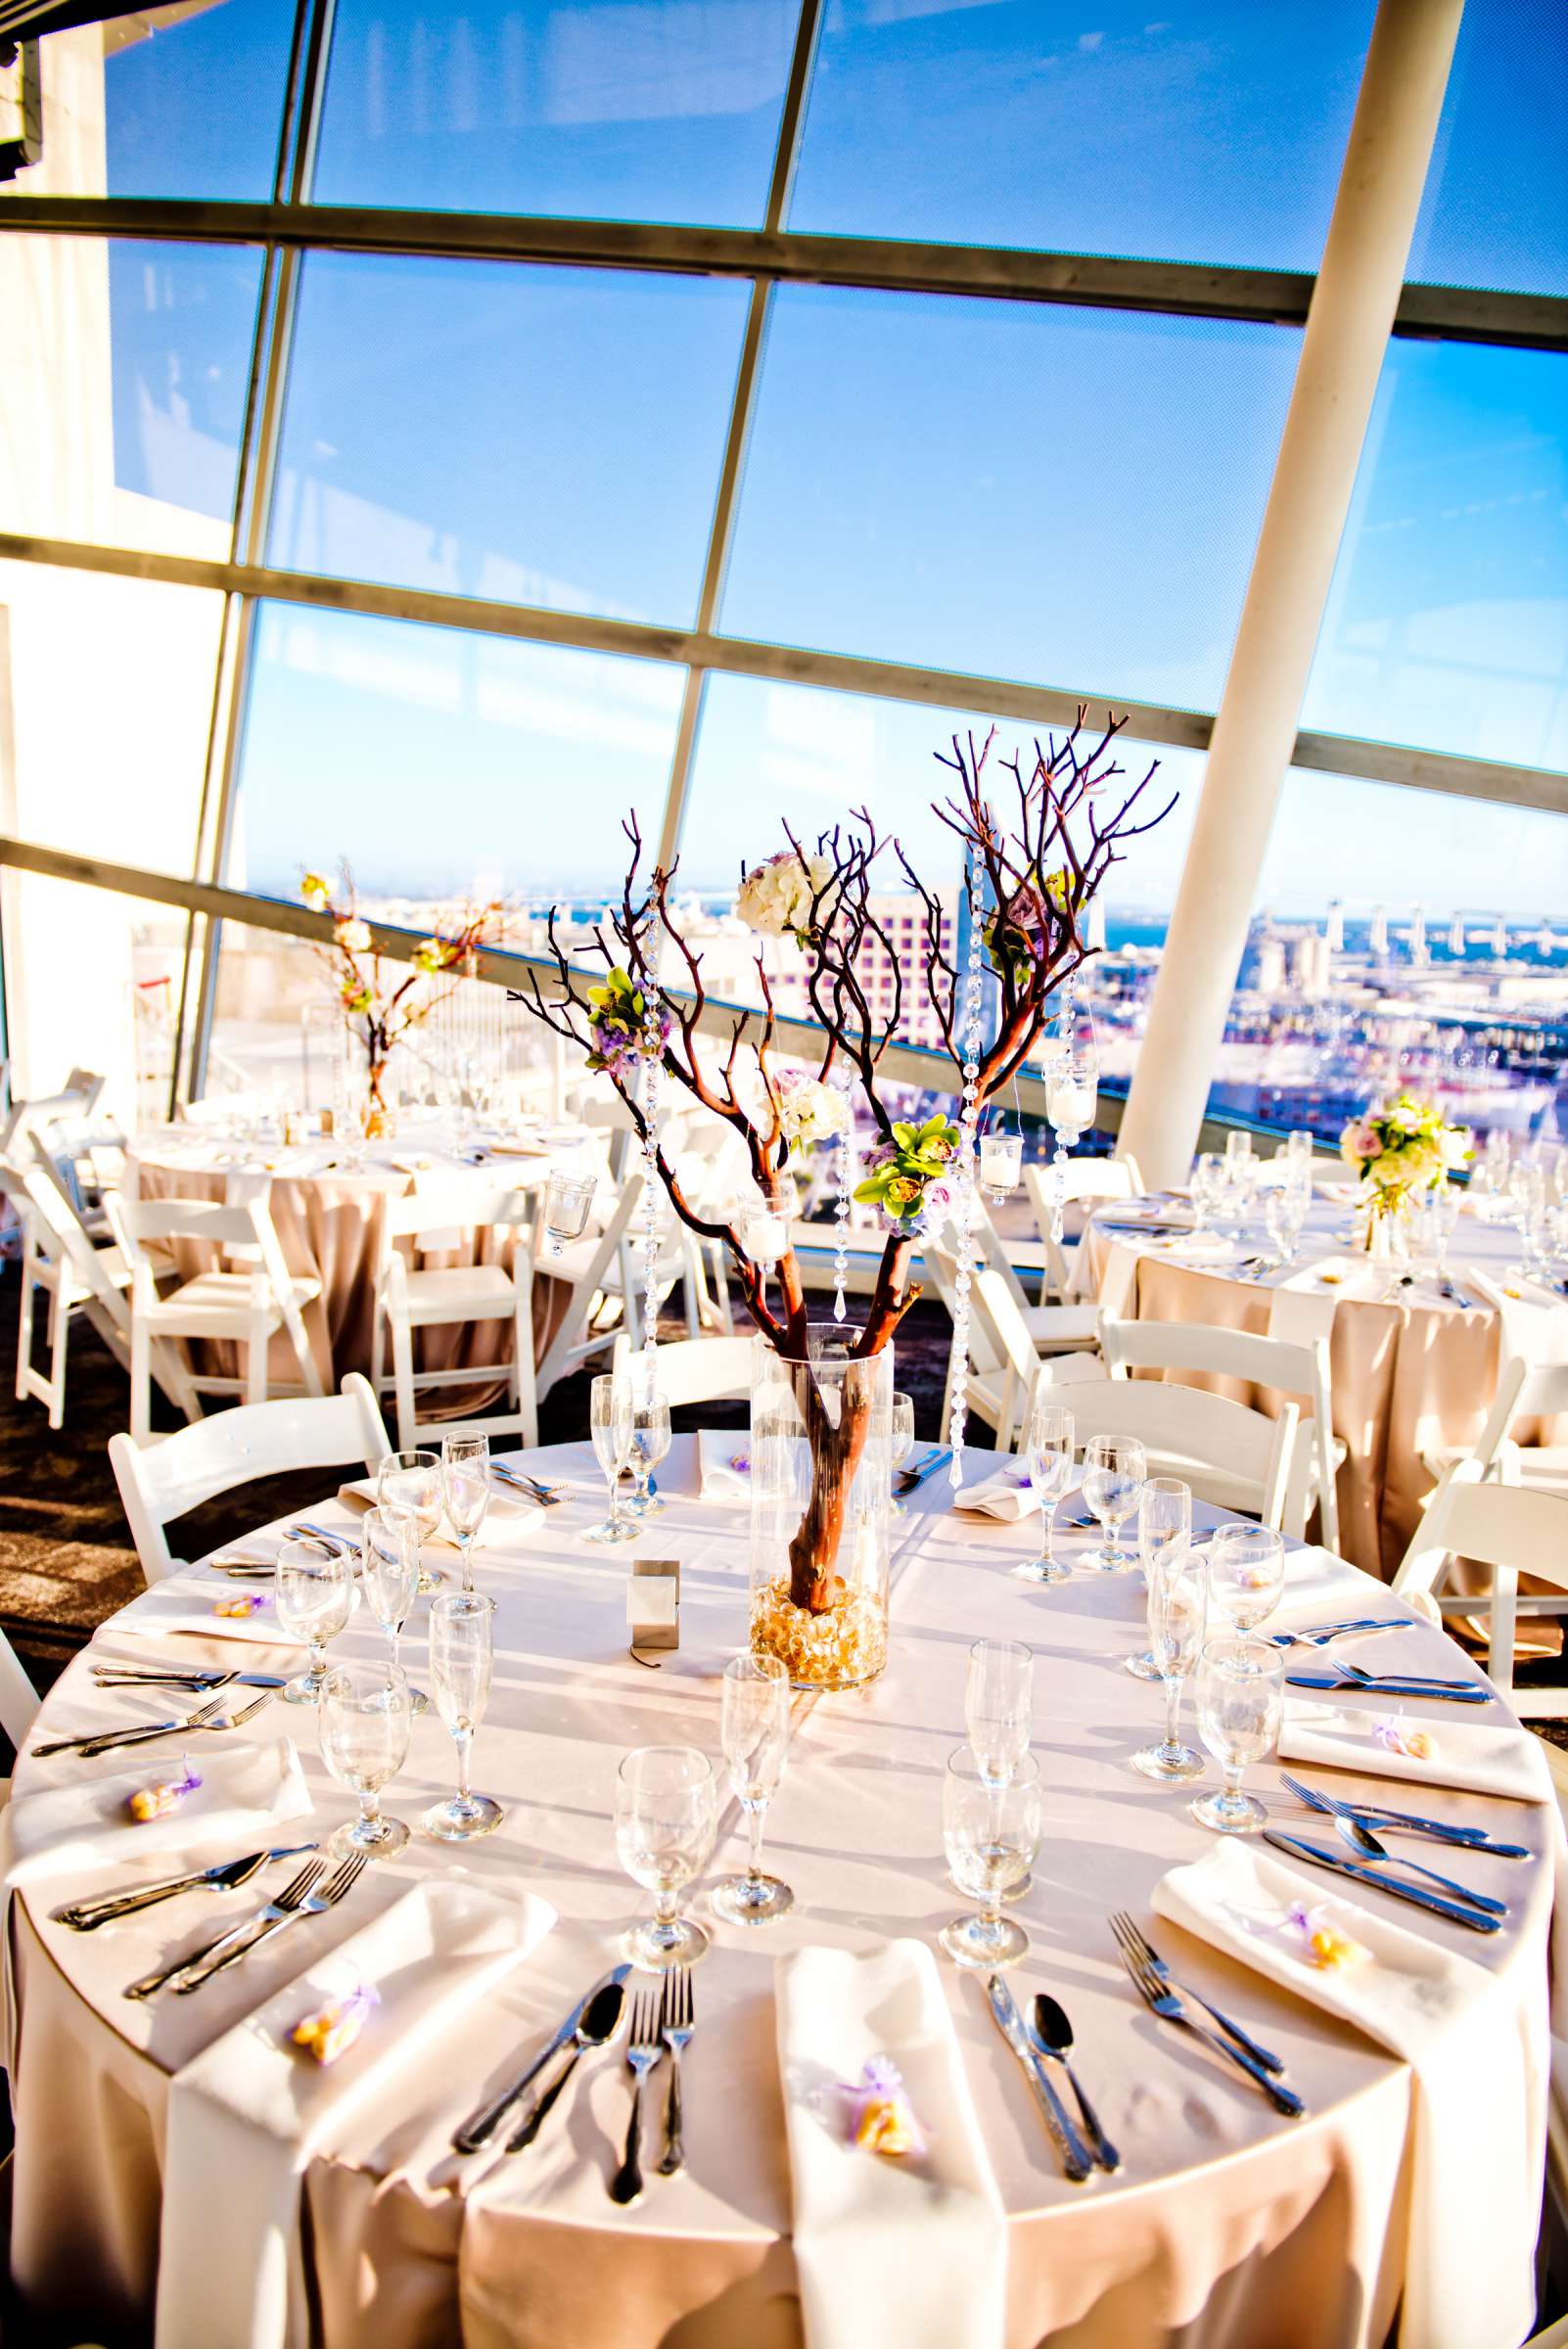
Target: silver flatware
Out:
[298,1886]
[1052,2034]
[1131,1936]
[1459,1912]
[1455,1295]
[305,1530]
[547,1495]
[131,1676]
[93,1740]
[676,2018]
[85,1917]
[481,2124]
[917,1471]
[1373,1815]
[643,2050]
[1166,2003]
[1076,2157]
[1364,1844]
[599,2024]
[1319,1634]
[1415,1680]
[1390,1684]
[208,1721]
[314,1904]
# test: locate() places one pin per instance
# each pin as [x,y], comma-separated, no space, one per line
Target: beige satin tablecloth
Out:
[1229,2227]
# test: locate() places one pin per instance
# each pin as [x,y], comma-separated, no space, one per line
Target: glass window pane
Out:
[122,405]
[1502,122]
[1063,495]
[625,110]
[1447,622]
[92,981]
[1212,135]
[536,436]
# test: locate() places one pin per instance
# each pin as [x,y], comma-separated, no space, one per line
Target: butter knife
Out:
[481,2126]
[1456,1911]
[1077,2160]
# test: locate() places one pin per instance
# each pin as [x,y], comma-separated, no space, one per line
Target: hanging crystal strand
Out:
[652,1071]
[842,1084]
[968,1122]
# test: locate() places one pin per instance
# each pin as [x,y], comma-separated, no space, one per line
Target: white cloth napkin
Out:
[1469,1754]
[251,2110]
[1475,2191]
[1316,1580]
[1302,1309]
[718,1450]
[906,2250]
[184,1604]
[508,1515]
[1000,1497]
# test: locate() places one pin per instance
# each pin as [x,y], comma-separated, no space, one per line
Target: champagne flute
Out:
[1048,1453]
[666,1814]
[1114,1470]
[389,1576]
[1240,1691]
[1246,1576]
[755,1733]
[1165,1532]
[1178,1593]
[609,1419]
[1285,1213]
[465,1491]
[650,1442]
[366,1721]
[461,1653]
[903,1437]
[410,1483]
[311,1594]
[991,1835]
[997,1697]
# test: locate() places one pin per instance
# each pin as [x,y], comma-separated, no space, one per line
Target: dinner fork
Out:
[1168,2007]
[294,1891]
[642,2053]
[1436,1831]
[1130,1938]
[209,1716]
[314,1904]
[675,2029]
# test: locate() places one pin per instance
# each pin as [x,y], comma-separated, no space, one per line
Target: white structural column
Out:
[1343,347]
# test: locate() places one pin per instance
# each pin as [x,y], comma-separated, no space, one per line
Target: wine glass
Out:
[567,1198]
[1048,1451]
[650,1441]
[389,1576]
[1238,1148]
[902,1440]
[1240,1691]
[997,1705]
[991,1835]
[365,1721]
[756,1733]
[1208,1183]
[1179,1596]
[311,1593]
[461,1651]
[609,1419]
[666,1814]
[1165,1531]
[1299,1150]
[1246,1576]
[409,1483]
[1284,1214]
[465,1491]
[1114,1469]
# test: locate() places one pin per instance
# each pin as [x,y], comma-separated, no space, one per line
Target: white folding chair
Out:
[592,1266]
[442,1215]
[1280,1363]
[234,1448]
[1086,1182]
[18,1698]
[244,1309]
[1525,1391]
[694,1369]
[1005,1352]
[1514,1529]
[1231,1455]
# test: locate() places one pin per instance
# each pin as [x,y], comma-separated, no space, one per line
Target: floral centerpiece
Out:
[1399,1151]
[1061,823]
[378,1007]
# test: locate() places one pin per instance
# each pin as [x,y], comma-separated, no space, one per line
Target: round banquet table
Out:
[1227,2224]
[328,1216]
[1408,1377]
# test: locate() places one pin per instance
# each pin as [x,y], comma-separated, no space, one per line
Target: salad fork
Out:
[1130,1938]
[642,2053]
[94,1741]
[676,2021]
[1168,2007]
[208,1720]
[294,1891]
[314,1904]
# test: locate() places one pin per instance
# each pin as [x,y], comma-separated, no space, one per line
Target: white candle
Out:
[1001,1161]
[764,1237]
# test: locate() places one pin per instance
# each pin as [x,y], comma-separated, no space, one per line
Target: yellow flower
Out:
[900,1190]
[316,893]
[430,955]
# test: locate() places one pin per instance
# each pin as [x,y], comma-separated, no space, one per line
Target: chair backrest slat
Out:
[694,1369]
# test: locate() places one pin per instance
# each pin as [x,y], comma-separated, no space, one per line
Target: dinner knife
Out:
[481,2126]
[109,1677]
[1077,2160]
[1475,1839]
[1456,1911]
[1392,1686]
[85,1917]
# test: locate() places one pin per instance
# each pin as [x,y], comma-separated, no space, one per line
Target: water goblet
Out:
[465,1491]
[1048,1453]
[567,1198]
[1299,1147]
[389,1576]
[609,1423]
[1114,1469]
[1239,1148]
[666,1814]
[756,1733]
[365,1721]
[650,1442]
[1240,1689]
[1208,1186]
[409,1483]
[461,1653]
[1165,1532]
[1177,1607]
[1246,1576]
[902,1438]
[992,1835]
[997,1697]
[311,1594]
[1284,1214]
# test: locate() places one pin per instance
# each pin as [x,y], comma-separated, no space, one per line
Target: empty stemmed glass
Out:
[312,1592]
[666,1812]
[609,1421]
[997,1701]
[1165,1532]
[465,1491]
[389,1576]
[1208,1189]
[991,1835]
[755,1733]
[1114,1470]
[461,1649]
[902,1440]
[365,1723]
[1246,1576]
[1049,1455]
[1285,1213]
[650,1442]
[410,1484]
[1178,1608]
[1240,1689]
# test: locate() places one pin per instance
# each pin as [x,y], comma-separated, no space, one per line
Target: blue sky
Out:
[1054,494]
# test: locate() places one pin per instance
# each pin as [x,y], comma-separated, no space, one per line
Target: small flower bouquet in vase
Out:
[822,1391]
[1400,1151]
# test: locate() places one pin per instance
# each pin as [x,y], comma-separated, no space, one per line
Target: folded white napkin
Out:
[1475,2191]
[1000,1497]
[1470,1754]
[1316,1579]
[508,1516]
[717,1453]
[252,2109]
[909,2249]
[1198,1248]
[184,1604]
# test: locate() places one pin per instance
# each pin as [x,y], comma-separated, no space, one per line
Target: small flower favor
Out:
[881,2117]
[156,1802]
[332,2029]
[1323,1944]
[741,1462]
[244,1603]
[1399,1737]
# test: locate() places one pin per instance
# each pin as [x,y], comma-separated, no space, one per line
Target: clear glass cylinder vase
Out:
[821,1489]
[1385,1227]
